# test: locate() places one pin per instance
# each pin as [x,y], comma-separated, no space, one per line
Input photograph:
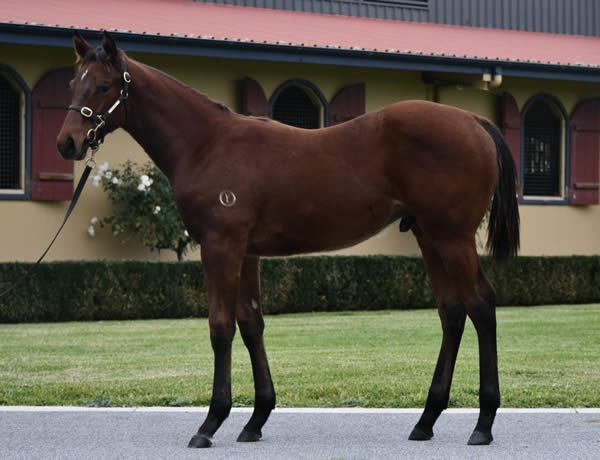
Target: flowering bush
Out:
[143,207]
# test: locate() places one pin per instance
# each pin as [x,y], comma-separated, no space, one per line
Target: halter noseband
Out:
[94,135]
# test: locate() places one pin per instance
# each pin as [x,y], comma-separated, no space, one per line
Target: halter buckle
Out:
[86,112]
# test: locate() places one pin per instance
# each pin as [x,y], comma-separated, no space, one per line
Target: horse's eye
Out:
[102,89]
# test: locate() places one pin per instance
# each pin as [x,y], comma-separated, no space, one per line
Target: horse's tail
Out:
[503,225]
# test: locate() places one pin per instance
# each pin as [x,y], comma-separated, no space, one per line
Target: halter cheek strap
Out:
[95,136]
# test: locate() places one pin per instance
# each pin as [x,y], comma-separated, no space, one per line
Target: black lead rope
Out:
[84,177]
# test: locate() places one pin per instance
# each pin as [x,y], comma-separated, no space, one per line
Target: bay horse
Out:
[248,187]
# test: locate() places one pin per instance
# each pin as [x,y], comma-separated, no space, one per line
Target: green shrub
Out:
[66,291]
[143,207]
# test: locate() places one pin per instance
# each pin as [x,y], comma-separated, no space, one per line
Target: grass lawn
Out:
[549,357]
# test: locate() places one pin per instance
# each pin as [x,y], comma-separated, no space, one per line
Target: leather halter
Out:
[95,136]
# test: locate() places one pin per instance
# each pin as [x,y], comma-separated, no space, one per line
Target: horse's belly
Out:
[321,227]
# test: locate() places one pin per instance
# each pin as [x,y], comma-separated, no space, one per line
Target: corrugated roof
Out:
[282,28]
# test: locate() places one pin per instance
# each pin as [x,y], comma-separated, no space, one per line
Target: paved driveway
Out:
[149,433]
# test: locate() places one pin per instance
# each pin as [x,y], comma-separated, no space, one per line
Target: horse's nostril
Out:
[67,150]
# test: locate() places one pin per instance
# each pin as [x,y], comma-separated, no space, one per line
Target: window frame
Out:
[564,160]
[25,142]
[303,84]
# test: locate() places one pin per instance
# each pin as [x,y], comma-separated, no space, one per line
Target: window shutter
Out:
[347,104]
[51,176]
[511,128]
[253,99]
[585,150]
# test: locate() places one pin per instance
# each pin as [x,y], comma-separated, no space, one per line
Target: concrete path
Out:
[163,433]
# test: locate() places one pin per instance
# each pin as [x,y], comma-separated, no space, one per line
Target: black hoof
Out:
[249,436]
[200,441]
[419,434]
[478,438]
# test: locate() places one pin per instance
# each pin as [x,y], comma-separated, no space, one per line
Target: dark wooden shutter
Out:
[511,128]
[347,104]
[253,100]
[585,150]
[51,176]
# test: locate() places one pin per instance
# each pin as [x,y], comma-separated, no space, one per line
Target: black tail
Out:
[503,226]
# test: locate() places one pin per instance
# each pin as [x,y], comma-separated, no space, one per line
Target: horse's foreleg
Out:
[251,323]
[452,316]
[221,260]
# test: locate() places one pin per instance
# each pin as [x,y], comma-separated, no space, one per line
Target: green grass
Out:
[549,357]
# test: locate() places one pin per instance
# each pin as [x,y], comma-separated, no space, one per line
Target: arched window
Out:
[11,124]
[543,154]
[299,103]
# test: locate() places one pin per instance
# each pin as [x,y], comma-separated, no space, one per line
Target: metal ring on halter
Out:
[126,77]
[89,134]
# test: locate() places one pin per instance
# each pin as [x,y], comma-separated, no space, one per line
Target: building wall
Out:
[28,226]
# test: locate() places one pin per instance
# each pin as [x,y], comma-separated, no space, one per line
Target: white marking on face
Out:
[254,304]
[84,74]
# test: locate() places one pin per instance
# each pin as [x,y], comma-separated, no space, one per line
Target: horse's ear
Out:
[109,47]
[80,45]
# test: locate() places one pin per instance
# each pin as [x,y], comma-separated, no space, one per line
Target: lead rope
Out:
[90,164]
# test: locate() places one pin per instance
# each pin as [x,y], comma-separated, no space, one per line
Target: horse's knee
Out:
[222,330]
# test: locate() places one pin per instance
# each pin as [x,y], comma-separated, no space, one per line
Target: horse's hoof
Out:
[419,434]
[200,441]
[479,438]
[249,436]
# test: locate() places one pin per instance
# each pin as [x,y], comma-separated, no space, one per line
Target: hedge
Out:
[66,291]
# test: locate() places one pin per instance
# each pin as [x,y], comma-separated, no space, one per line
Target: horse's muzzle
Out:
[69,151]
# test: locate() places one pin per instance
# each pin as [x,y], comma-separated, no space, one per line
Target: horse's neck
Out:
[169,120]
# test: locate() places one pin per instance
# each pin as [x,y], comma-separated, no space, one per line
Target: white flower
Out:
[102,168]
[156,210]
[146,180]
[94,220]
[108,175]
[117,181]
[96,180]
[141,187]
[91,230]
[186,233]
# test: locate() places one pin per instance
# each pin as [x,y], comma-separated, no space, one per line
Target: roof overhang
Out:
[56,36]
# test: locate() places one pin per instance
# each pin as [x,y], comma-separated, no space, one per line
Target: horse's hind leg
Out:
[452,316]
[482,312]
[251,323]
[477,295]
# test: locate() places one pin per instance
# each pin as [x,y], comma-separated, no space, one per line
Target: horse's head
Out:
[99,89]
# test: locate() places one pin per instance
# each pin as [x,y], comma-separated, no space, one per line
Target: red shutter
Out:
[511,128]
[347,104]
[584,152]
[51,176]
[253,99]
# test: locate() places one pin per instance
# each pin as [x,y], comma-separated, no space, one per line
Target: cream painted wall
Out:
[28,226]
